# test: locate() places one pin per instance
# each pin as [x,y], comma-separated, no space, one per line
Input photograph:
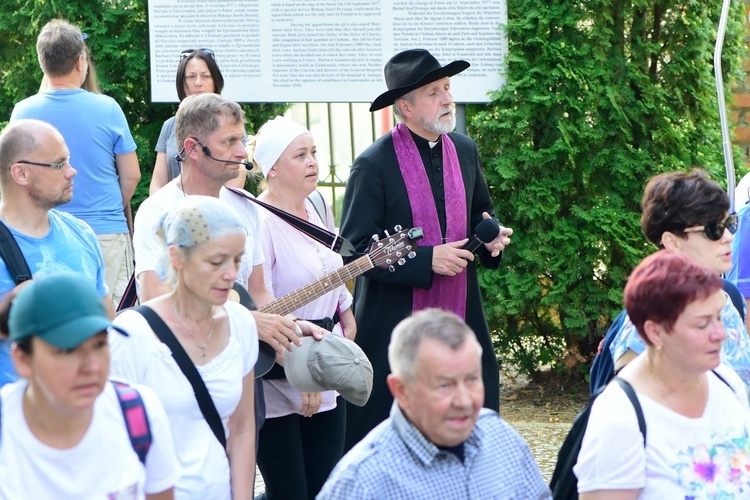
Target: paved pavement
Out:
[545,440]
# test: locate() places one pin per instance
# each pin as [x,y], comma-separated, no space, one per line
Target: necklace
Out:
[202,346]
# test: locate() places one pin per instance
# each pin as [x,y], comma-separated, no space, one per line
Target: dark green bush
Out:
[600,96]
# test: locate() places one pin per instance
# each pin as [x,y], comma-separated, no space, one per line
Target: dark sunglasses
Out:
[715,230]
[189,52]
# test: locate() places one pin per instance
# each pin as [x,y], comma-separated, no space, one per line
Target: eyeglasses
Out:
[56,166]
[715,230]
[189,52]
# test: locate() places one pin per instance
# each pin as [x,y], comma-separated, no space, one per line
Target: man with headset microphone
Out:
[210,132]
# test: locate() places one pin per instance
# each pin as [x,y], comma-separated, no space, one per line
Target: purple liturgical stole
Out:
[447,292]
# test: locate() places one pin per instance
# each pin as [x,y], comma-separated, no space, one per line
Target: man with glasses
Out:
[687,212]
[35,177]
[101,146]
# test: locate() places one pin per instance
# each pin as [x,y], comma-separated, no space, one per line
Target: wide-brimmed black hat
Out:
[409,70]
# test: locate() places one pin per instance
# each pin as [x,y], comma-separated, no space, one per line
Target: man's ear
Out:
[404,106]
[80,62]
[19,174]
[397,388]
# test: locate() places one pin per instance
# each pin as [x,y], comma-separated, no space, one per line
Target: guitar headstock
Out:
[393,249]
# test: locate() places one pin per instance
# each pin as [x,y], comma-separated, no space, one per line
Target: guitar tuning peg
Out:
[386,233]
[375,237]
[401,261]
[397,228]
[389,261]
[398,254]
[411,255]
[391,268]
[409,247]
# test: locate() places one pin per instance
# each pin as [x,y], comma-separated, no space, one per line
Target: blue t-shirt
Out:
[95,130]
[70,245]
[740,272]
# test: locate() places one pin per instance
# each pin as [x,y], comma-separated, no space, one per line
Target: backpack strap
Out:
[737,299]
[723,380]
[625,385]
[320,205]
[130,296]
[13,257]
[136,419]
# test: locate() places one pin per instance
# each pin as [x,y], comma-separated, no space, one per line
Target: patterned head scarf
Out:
[196,220]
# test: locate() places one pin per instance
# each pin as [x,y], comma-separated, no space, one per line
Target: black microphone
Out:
[487,230]
[178,157]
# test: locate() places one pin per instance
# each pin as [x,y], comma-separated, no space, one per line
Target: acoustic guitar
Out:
[386,252]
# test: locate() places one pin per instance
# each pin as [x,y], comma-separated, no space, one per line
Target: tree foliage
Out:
[118,38]
[600,96]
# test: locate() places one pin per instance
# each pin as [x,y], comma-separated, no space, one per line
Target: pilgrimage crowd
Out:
[247,348]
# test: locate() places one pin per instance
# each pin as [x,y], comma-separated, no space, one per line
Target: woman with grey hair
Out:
[204,243]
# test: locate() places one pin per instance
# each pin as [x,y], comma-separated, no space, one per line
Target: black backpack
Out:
[564,484]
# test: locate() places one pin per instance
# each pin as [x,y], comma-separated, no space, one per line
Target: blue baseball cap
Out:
[63,309]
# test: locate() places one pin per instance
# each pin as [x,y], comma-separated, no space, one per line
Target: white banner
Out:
[325,50]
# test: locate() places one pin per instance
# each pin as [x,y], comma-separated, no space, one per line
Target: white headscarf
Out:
[272,139]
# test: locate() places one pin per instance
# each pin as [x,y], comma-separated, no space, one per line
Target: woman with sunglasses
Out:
[197,73]
[688,213]
[204,243]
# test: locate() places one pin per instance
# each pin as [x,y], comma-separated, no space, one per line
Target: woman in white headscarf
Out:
[204,243]
[303,435]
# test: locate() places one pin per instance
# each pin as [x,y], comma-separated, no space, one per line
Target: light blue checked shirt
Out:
[396,461]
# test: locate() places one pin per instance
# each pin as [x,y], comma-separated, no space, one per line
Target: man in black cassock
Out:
[420,175]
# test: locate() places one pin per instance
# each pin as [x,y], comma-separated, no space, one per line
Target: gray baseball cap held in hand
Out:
[333,363]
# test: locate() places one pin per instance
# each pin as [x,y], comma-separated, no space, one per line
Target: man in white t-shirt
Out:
[210,134]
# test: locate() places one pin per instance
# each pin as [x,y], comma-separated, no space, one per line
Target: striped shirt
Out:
[396,461]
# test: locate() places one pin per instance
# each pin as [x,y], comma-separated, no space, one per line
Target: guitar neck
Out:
[318,288]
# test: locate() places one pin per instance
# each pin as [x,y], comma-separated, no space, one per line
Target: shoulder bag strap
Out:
[625,385]
[338,244]
[13,257]
[130,297]
[188,368]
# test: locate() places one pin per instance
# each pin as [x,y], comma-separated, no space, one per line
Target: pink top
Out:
[293,260]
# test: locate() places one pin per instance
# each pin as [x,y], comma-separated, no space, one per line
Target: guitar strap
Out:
[338,244]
